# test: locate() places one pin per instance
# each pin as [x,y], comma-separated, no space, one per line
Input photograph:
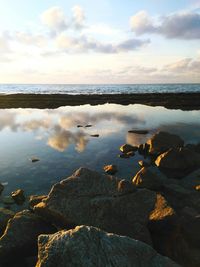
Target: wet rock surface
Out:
[90,247]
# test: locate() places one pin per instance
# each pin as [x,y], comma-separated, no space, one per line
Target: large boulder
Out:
[162,141]
[178,162]
[87,246]
[149,177]
[20,236]
[99,200]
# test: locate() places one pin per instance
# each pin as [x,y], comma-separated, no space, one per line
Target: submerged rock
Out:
[18,196]
[128,148]
[20,236]
[101,201]
[110,169]
[178,162]
[149,177]
[94,135]
[87,246]
[35,159]
[163,141]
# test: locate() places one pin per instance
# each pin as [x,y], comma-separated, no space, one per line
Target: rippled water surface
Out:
[97,89]
[62,147]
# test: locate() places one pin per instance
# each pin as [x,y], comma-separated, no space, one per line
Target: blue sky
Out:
[107,41]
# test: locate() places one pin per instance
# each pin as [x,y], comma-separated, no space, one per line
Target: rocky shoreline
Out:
[184,101]
[93,219]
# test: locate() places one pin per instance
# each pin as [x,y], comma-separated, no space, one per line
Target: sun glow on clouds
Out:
[68,48]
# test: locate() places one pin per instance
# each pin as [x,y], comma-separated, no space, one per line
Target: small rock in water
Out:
[94,135]
[128,148]
[34,160]
[88,126]
[79,126]
[197,187]
[124,156]
[1,188]
[110,169]
[139,131]
[18,196]
[8,200]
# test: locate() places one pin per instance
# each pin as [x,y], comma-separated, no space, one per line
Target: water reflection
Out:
[53,136]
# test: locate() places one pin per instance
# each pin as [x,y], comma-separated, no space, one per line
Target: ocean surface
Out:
[97,89]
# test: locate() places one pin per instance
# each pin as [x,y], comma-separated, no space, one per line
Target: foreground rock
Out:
[20,236]
[178,162]
[35,199]
[128,148]
[163,141]
[149,177]
[90,247]
[99,200]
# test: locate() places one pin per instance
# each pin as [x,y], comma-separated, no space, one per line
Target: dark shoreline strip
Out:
[184,101]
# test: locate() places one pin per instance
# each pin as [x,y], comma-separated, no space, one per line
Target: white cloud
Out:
[54,18]
[185,25]
[78,17]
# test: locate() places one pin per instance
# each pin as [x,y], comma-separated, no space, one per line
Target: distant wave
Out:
[75,89]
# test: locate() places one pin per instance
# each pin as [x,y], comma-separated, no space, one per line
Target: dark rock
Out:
[94,135]
[88,246]
[35,160]
[8,200]
[5,215]
[143,149]
[20,237]
[163,141]
[178,162]
[99,200]
[139,131]
[124,156]
[128,148]
[191,181]
[149,177]
[88,126]
[18,196]
[1,188]
[143,163]
[79,126]
[110,169]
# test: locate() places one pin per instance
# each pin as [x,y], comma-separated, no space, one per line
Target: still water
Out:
[62,147]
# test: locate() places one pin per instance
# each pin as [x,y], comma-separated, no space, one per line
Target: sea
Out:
[76,89]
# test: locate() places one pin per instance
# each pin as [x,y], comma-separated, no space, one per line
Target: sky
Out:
[99,42]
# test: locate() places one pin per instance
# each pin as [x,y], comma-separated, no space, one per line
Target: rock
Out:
[128,148]
[34,200]
[178,162]
[191,181]
[20,236]
[163,141]
[195,148]
[143,149]
[79,126]
[165,230]
[1,188]
[130,154]
[8,200]
[143,163]
[5,215]
[124,156]
[34,159]
[88,126]
[87,246]
[99,200]
[18,196]
[94,135]
[110,169]
[150,178]
[139,131]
